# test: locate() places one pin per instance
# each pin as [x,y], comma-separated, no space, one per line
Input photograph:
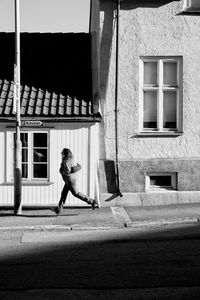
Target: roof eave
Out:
[96,118]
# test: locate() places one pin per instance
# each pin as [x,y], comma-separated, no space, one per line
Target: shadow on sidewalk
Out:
[114,196]
[27,215]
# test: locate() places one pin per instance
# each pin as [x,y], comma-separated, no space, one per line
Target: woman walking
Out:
[68,171]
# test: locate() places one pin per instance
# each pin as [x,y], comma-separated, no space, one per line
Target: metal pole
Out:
[17,148]
[116,100]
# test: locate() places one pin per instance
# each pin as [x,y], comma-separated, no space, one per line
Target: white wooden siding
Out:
[82,140]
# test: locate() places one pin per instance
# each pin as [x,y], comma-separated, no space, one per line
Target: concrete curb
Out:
[37,227]
[95,227]
[77,227]
[162,222]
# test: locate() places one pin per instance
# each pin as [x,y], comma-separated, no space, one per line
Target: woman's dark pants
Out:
[70,185]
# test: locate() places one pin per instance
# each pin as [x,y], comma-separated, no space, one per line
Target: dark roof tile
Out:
[61,105]
[61,89]
[40,103]
[54,104]
[57,62]
[77,107]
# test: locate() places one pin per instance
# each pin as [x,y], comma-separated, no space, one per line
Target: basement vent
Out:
[166,181]
[192,5]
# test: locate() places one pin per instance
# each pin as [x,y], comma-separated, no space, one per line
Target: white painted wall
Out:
[83,141]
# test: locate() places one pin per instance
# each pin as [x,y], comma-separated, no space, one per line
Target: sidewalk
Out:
[102,218]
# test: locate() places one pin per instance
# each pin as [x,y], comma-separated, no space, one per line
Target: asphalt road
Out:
[162,263]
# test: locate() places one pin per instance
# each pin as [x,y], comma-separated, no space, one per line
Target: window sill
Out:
[189,11]
[160,190]
[30,183]
[158,133]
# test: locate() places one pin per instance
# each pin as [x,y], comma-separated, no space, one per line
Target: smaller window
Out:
[35,158]
[192,6]
[166,181]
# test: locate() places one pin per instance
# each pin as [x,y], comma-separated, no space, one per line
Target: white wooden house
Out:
[50,121]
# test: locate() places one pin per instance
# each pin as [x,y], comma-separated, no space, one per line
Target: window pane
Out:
[150,73]
[150,109]
[193,3]
[24,155]
[40,140]
[40,171]
[170,73]
[169,110]
[24,170]
[40,155]
[160,180]
[24,139]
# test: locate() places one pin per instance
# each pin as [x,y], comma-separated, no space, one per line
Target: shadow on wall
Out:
[107,177]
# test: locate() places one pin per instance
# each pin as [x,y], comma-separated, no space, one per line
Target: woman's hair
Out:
[67,153]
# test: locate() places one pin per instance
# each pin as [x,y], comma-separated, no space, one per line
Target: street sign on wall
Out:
[32,123]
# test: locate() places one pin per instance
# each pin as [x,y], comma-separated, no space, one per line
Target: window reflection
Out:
[40,171]
[150,109]
[150,73]
[170,73]
[169,109]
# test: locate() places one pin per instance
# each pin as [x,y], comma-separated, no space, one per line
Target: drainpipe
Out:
[116,100]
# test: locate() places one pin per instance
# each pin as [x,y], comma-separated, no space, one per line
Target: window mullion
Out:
[48,156]
[160,95]
[178,97]
[141,115]
[30,156]
[10,156]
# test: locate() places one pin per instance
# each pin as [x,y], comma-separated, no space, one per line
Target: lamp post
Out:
[17,142]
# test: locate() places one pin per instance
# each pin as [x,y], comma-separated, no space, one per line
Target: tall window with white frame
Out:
[160,93]
[34,155]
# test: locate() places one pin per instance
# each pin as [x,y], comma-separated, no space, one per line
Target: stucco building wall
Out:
[148,28]
[150,31]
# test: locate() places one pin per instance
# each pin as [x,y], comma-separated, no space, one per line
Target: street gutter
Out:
[89,226]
